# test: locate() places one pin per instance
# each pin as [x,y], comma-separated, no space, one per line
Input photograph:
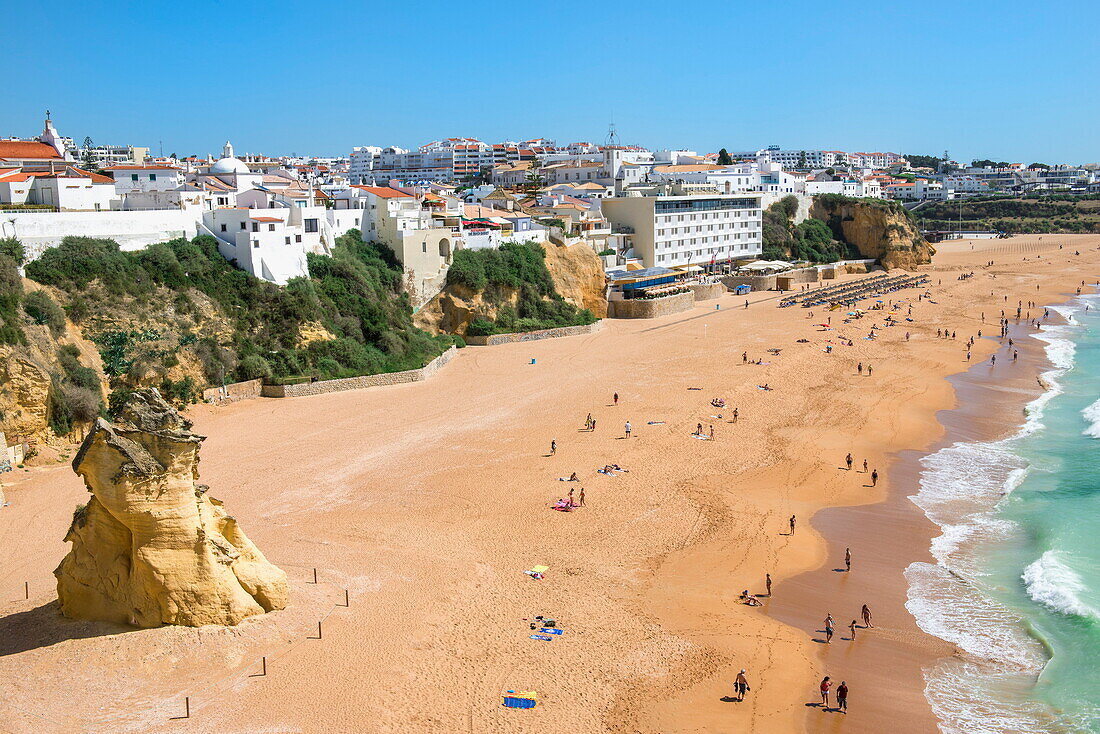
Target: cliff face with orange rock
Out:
[576,270]
[879,229]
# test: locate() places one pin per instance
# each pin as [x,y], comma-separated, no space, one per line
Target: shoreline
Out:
[427,501]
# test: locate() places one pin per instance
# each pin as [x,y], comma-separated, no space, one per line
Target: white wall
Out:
[132,230]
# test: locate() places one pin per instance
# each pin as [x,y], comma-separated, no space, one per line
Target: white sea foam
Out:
[952,608]
[1092,415]
[1051,582]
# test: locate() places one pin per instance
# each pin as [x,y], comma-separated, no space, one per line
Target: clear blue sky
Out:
[1012,79]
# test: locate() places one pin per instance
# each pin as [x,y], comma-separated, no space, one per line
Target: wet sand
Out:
[427,501]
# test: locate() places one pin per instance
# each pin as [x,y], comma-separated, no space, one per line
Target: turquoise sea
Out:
[1016,583]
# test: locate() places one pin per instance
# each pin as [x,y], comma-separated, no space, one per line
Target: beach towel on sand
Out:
[551,631]
[544,638]
[520,700]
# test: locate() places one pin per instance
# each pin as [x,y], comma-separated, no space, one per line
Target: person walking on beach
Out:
[615,398]
[588,422]
[1015,355]
[792,524]
[848,559]
[627,428]
[580,497]
[868,370]
[967,355]
[768,584]
[852,628]
[698,429]
[859,368]
[571,502]
[826,684]
[553,447]
[993,360]
[865,612]
[712,432]
[744,357]
[828,631]
[741,685]
[865,466]
[848,460]
[735,415]
[874,478]
[842,697]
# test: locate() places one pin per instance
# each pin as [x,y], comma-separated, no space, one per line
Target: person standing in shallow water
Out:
[865,612]
[848,559]
[826,684]
[842,697]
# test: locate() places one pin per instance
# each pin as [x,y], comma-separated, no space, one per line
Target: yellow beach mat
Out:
[539,569]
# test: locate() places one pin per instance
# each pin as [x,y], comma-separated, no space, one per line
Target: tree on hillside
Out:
[802,159]
[923,161]
[987,163]
[724,158]
[1038,166]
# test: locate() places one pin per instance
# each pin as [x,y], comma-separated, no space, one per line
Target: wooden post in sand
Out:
[347,600]
[263,668]
[186,709]
[314,577]
[27,589]
[311,637]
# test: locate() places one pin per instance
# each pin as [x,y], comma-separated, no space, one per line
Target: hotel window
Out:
[223,228]
[271,228]
[297,238]
[256,244]
[255,226]
[133,177]
[243,225]
[311,225]
[152,177]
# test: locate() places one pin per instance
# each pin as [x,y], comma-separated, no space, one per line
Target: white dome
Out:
[229,165]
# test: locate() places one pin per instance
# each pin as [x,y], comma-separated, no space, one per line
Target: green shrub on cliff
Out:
[498,274]
[356,293]
[11,298]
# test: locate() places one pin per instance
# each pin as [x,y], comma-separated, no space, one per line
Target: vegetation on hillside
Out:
[923,161]
[1030,214]
[810,240]
[11,299]
[515,267]
[355,294]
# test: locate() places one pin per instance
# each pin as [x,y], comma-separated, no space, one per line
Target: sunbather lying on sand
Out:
[751,600]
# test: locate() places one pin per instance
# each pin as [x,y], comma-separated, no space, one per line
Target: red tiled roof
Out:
[384,192]
[29,149]
[265,219]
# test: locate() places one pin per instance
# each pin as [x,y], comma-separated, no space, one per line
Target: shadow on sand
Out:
[44,626]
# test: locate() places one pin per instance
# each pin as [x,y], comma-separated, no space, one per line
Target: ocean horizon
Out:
[1016,581]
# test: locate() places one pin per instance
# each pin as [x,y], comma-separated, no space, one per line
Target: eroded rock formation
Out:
[151,547]
[878,229]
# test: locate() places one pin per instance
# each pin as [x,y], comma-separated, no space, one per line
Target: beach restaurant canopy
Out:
[762,265]
[629,281]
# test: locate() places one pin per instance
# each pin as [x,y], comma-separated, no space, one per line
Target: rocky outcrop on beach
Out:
[152,547]
[879,229]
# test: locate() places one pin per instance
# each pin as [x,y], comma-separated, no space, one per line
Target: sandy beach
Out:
[426,502]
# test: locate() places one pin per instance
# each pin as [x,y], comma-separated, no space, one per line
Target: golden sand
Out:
[427,501]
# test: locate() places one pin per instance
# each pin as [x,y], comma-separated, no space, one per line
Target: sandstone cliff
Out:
[578,276]
[151,547]
[878,229]
[24,396]
[577,273]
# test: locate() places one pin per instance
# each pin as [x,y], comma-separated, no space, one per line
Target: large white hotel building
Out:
[689,230]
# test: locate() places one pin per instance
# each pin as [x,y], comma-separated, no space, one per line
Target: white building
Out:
[689,230]
[66,189]
[144,178]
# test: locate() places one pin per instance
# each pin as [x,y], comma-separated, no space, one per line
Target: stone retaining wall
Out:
[357,383]
[531,336]
[707,291]
[637,308]
[233,392]
[756,282]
